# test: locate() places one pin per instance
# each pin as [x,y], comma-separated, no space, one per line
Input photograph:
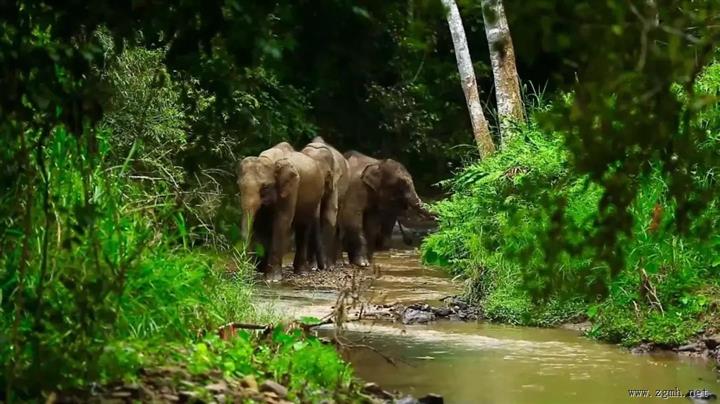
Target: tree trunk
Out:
[502,57]
[653,9]
[481,131]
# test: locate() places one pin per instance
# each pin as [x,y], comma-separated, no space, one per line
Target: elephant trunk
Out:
[245,228]
[417,205]
[248,216]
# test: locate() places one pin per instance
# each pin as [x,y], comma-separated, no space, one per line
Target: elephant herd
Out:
[332,202]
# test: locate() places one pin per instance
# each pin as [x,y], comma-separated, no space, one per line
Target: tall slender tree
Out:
[502,58]
[481,131]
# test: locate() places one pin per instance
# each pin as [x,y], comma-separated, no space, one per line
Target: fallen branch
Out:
[650,292]
[229,330]
[346,345]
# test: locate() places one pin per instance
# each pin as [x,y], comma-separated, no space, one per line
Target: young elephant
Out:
[388,218]
[377,187]
[279,190]
[333,162]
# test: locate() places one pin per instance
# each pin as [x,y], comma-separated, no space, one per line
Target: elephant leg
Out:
[329,244]
[311,251]
[261,239]
[317,245]
[316,252]
[281,225]
[302,234]
[317,239]
[406,239]
[263,244]
[372,227]
[325,243]
[356,244]
[328,216]
[337,248]
[382,242]
[387,223]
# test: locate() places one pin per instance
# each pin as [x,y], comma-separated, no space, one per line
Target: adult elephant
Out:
[280,190]
[376,187]
[333,161]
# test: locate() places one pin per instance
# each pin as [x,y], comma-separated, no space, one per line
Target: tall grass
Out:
[97,257]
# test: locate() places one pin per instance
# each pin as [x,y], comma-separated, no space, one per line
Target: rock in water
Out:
[413,316]
[432,398]
[643,348]
[275,387]
[441,311]
[407,400]
[217,388]
[713,341]
[188,396]
[377,391]
[249,383]
[693,347]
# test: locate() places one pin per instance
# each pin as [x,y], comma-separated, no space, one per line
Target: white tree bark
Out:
[502,57]
[652,6]
[481,131]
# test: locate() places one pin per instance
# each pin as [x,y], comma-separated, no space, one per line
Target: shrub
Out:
[309,368]
[528,263]
[88,262]
[143,111]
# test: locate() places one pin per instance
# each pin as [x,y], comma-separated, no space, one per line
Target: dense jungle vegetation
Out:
[666,289]
[121,125]
[600,207]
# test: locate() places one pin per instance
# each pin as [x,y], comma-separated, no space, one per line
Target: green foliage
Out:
[528,197]
[312,371]
[144,112]
[309,368]
[93,265]
[98,275]
[625,125]
[402,115]
[305,362]
[502,196]
[177,294]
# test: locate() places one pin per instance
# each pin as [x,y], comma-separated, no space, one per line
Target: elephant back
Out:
[357,162]
[320,152]
[274,154]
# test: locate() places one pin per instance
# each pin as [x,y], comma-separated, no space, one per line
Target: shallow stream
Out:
[478,362]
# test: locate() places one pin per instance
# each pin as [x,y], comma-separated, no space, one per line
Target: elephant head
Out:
[262,182]
[393,186]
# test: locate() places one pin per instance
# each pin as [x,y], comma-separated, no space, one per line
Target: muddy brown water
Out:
[479,362]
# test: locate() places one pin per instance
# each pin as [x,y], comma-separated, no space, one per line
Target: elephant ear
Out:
[244,166]
[244,162]
[286,177]
[372,176]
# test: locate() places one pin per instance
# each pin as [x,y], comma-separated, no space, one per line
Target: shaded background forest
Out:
[373,78]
